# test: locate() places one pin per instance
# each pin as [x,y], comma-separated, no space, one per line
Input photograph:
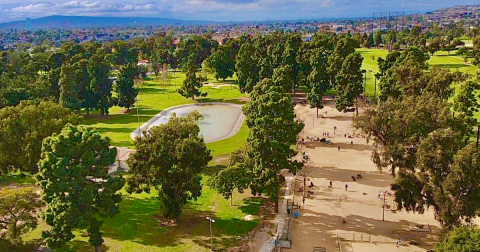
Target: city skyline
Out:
[218,10]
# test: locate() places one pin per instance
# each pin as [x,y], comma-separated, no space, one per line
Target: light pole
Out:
[383,216]
[211,237]
[138,121]
[375,88]
[365,82]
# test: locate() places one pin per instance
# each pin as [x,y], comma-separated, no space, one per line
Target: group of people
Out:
[331,185]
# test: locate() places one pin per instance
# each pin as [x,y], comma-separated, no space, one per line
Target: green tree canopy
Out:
[349,83]
[22,130]
[19,212]
[192,83]
[75,185]
[462,239]
[170,158]
[273,129]
[125,89]
[420,142]
[246,68]
[236,175]
[222,62]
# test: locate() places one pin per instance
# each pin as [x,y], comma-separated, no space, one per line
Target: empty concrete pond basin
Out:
[220,120]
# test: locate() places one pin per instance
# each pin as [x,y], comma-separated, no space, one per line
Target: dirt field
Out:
[360,207]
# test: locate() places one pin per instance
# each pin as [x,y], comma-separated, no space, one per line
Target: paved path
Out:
[269,245]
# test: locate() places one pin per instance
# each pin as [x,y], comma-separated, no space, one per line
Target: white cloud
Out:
[215,10]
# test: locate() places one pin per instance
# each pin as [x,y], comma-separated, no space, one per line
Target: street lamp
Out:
[375,88]
[365,82]
[383,216]
[211,237]
[138,121]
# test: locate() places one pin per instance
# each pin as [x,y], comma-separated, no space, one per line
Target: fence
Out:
[361,237]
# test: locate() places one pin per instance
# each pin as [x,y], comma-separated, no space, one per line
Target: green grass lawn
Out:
[136,228]
[153,98]
[452,61]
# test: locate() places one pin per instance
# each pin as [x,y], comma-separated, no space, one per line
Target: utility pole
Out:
[373,17]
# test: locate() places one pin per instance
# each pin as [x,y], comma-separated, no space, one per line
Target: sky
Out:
[218,10]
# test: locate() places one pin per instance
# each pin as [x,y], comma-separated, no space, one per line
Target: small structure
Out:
[143,63]
[120,160]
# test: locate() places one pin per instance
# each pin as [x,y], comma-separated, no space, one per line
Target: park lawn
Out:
[441,58]
[153,98]
[136,227]
[370,57]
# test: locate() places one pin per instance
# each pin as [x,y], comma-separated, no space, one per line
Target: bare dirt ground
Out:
[360,207]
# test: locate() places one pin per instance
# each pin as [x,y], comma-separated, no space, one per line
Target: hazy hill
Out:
[88,22]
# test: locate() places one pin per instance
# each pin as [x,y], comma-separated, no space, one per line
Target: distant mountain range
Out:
[60,22]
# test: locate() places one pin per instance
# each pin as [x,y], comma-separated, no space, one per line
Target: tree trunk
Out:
[97,249]
[231,199]
[276,202]
[356,106]
[317,112]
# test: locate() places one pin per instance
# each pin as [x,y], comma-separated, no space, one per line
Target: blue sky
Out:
[217,10]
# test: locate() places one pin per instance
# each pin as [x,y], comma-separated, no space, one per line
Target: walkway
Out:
[270,244]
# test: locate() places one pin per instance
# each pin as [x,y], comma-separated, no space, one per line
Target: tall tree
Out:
[236,175]
[462,239]
[192,83]
[19,212]
[70,90]
[423,144]
[349,83]
[170,158]
[273,129]
[22,130]
[101,84]
[343,48]
[73,176]
[246,68]
[318,79]
[222,62]
[125,89]
[466,101]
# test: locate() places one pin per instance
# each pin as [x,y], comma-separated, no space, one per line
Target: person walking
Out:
[338,148]
[331,184]
[346,187]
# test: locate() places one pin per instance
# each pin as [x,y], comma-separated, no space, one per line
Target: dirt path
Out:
[358,210]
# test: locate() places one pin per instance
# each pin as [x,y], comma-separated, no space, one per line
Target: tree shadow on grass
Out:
[136,223]
[252,205]
[453,66]
[16,179]
[79,246]
[27,247]
[235,101]
[226,231]
[212,169]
